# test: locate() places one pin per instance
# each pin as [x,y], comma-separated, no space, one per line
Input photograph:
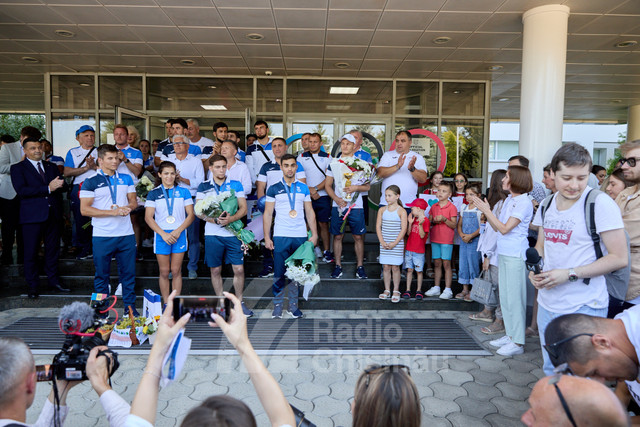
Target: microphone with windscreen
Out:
[534,261]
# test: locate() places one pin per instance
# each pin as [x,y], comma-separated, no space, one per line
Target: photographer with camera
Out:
[18,379]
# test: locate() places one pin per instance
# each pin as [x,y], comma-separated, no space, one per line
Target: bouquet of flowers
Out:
[143,187]
[301,267]
[349,171]
[214,205]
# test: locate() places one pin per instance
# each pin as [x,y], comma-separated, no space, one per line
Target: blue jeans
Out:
[124,249]
[193,236]
[545,317]
[284,247]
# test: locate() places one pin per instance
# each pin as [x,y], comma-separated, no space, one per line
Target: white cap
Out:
[348,137]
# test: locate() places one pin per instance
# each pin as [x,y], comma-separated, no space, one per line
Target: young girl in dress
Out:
[469,232]
[169,211]
[391,227]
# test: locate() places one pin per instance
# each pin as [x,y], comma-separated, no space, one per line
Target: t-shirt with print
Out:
[271,173]
[135,157]
[415,243]
[402,177]
[285,226]
[515,242]
[156,199]
[97,188]
[631,320]
[208,188]
[75,156]
[567,244]
[441,232]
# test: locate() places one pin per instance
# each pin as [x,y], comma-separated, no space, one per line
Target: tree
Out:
[466,138]
[613,163]
[11,124]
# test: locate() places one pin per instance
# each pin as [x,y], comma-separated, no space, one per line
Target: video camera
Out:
[86,327]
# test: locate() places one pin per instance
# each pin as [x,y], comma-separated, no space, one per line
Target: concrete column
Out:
[544,57]
[633,123]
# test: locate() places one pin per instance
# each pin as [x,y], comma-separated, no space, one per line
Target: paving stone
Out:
[323,378]
[241,390]
[203,390]
[519,378]
[162,421]
[193,378]
[538,373]
[425,378]
[175,389]
[282,364]
[491,365]
[305,406]
[343,419]
[513,391]
[475,408]
[486,378]
[311,391]
[502,421]
[462,420]
[454,377]
[447,391]
[521,366]
[179,406]
[313,364]
[461,365]
[80,420]
[439,407]
[326,406]
[341,390]
[295,378]
[431,421]
[510,408]
[481,392]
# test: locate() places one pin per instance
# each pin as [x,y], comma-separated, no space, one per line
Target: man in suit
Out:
[39,186]
[10,154]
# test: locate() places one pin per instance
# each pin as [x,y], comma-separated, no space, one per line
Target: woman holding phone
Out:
[168,212]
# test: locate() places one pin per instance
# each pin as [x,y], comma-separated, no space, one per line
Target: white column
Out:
[544,57]
[633,123]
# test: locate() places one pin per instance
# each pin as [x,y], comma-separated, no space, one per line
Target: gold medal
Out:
[293,213]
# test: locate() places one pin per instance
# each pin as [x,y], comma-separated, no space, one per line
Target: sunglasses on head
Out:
[552,349]
[376,369]
[630,160]
[559,371]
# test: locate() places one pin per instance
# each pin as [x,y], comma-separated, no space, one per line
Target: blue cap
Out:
[84,129]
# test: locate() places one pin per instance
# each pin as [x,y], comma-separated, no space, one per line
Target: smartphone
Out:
[44,373]
[201,307]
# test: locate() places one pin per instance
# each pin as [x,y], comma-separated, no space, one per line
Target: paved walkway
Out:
[455,391]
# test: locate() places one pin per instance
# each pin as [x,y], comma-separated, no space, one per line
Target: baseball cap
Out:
[348,137]
[84,128]
[418,203]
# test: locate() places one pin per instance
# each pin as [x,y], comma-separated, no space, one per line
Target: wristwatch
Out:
[412,169]
[573,277]
[126,160]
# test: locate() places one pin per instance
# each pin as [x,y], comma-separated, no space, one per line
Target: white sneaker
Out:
[446,294]
[147,243]
[119,290]
[500,341]
[433,292]
[510,349]
[318,252]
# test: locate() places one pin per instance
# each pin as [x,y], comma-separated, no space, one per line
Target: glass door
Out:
[138,120]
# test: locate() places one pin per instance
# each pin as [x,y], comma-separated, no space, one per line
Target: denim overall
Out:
[469,255]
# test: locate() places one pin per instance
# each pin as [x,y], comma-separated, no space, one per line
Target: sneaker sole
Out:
[336,277]
[276,317]
[514,353]
[295,317]
[266,276]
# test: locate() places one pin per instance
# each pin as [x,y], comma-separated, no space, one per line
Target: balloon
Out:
[261,203]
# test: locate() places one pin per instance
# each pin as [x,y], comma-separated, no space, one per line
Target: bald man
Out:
[568,401]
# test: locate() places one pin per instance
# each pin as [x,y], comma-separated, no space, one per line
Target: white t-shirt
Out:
[631,320]
[135,157]
[75,156]
[567,244]
[203,142]
[210,187]
[312,172]
[515,242]
[240,172]
[285,226]
[402,177]
[100,191]
[156,199]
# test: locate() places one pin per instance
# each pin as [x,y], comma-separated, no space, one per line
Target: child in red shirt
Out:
[444,219]
[418,231]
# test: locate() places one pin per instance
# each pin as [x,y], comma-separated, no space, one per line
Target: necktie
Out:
[41,172]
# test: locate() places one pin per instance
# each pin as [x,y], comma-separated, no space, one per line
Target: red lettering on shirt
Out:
[557,236]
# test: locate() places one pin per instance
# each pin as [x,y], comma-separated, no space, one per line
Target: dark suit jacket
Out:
[35,199]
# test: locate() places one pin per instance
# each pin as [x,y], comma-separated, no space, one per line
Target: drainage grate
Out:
[290,337]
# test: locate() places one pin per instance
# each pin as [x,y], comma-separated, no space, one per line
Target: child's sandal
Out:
[384,295]
[396,297]
[406,295]
[419,296]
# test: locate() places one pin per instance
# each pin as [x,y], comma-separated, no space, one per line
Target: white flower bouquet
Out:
[214,205]
[143,187]
[301,267]
[349,171]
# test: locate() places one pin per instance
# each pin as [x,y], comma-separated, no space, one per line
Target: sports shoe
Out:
[510,349]
[193,274]
[360,274]
[294,312]
[328,257]
[318,252]
[337,272]
[433,292]
[446,294]
[277,312]
[83,256]
[245,310]
[135,312]
[500,341]
[147,243]
[139,257]
[266,272]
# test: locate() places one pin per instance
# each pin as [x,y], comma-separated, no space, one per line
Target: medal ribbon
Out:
[292,199]
[218,187]
[170,201]
[114,190]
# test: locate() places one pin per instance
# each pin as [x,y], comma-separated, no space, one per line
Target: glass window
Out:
[64,127]
[373,138]
[463,142]
[199,94]
[417,98]
[22,92]
[269,96]
[107,123]
[463,99]
[73,92]
[314,96]
[326,131]
[124,91]
[507,149]
[423,144]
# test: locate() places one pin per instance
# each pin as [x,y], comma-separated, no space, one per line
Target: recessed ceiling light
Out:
[616,101]
[30,59]
[211,87]
[627,43]
[503,99]
[495,67]
[343,90]
[65,33]
[55,96]
[457,91]
[341,65]
[169,99]
[187,61]
[85,84]
[255,36]
[338,107]
[278,100]
[214,107]
[441,40]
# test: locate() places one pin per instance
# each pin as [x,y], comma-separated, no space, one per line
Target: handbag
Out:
[483,291]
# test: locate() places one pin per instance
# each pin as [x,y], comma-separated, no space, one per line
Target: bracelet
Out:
[152,374]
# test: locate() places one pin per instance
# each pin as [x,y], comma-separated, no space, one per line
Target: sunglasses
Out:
[630,160]
[376,369]
[554,381]
[552,349]
[459,181]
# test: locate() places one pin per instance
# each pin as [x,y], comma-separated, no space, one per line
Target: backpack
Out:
[617,281]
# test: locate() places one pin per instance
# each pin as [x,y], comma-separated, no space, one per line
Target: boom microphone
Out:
[534,261]
[75,317]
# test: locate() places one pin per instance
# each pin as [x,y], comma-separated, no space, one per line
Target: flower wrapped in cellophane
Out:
[301,267]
